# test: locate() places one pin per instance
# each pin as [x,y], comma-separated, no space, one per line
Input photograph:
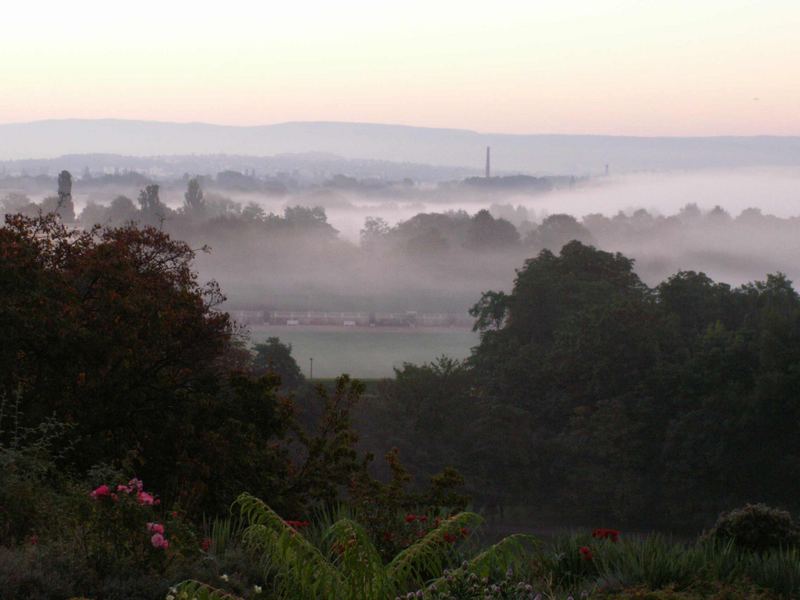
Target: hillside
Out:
[535,154]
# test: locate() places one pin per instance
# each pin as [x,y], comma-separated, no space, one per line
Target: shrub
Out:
[33,572]
[395,516]
[122,528]
[30,477]
[756,527]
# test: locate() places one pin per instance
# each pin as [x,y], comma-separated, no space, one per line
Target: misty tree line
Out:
[431,262]
[149,209]
[503,228]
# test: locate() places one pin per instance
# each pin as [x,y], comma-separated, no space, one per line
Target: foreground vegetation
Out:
[340,561]
[126,544]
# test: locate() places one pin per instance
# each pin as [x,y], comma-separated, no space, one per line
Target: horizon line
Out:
[385,124]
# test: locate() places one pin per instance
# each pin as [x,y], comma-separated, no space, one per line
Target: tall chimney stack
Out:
[488,162]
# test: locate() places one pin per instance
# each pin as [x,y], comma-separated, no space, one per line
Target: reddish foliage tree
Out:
[109,329]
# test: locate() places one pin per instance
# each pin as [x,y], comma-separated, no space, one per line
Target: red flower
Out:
[450,538]
[603,533]
[410,518]
[298,524]
[464,532]
[205,544]
[423,518]
[586,552]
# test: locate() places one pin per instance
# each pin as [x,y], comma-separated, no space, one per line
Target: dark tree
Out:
[122,210]
[109,329]
[193,201]
[557,230]
[153,211]
[275,358]
[487,233]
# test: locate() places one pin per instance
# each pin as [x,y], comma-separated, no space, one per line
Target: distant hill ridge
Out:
[534,154]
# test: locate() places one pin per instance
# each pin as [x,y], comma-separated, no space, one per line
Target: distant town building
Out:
[350,319]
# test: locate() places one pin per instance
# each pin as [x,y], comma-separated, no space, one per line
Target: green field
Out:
[365,353]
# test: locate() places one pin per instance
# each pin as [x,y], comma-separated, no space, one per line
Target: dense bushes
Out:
[592,397]
[756,527]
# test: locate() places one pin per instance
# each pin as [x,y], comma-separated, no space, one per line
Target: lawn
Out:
[365,353]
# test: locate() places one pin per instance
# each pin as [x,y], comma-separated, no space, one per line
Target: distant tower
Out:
[65,207]
[64,187]
[488,162]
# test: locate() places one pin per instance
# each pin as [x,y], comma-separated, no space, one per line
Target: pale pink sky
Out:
[647,67]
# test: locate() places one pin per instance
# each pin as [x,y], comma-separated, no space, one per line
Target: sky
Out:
[620,67]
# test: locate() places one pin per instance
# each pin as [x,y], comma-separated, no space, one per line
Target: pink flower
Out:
[145,498]
[100,492]
[136,484]
[158,541]
[155,528]
[124,488]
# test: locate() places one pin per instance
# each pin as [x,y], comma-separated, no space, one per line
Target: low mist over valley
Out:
[324,233]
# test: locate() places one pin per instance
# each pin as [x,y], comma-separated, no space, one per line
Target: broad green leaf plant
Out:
[346,564]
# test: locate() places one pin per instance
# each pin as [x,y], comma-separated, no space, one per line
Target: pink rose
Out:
[145,498]
[124,488]
[158,540]
[155,528]
[100,492]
